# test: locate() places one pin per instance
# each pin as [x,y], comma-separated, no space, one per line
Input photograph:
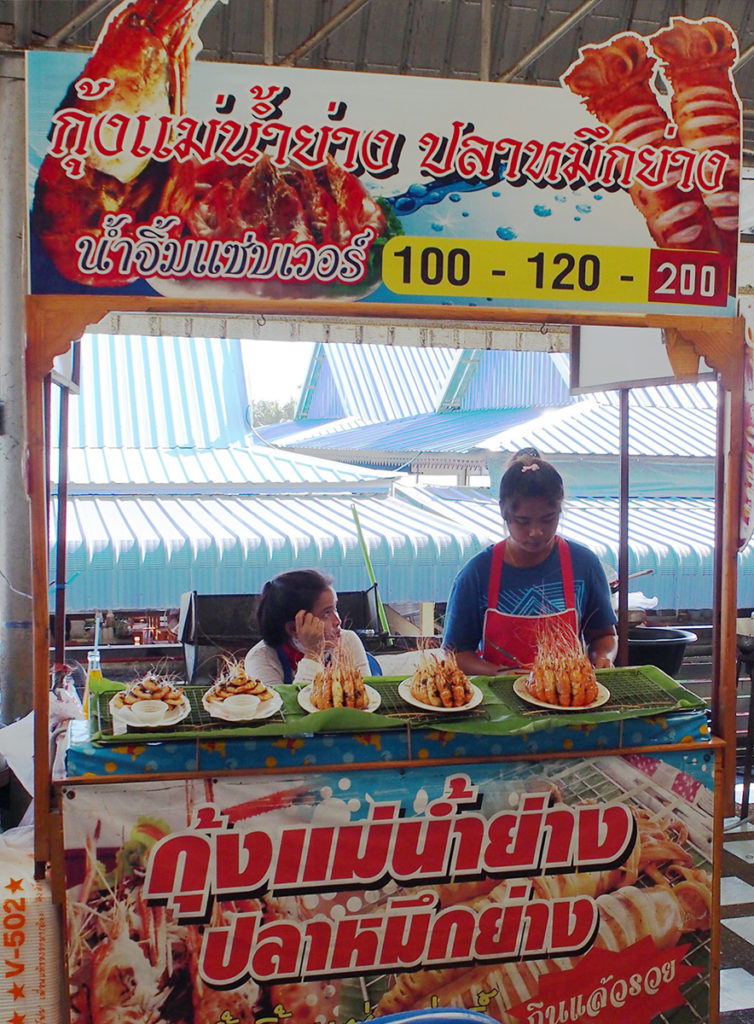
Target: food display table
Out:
[343,864]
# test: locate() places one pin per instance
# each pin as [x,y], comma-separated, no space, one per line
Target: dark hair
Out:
[285,595]
[529,476]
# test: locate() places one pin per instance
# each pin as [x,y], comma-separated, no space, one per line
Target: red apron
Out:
[512,639]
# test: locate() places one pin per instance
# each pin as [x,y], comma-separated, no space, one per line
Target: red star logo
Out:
[17,991]
[17,1018]
[15,884]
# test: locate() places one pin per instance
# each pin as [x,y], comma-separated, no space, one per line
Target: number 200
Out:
[687,279]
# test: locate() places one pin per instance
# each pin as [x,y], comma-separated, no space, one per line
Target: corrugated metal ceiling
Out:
[529,41]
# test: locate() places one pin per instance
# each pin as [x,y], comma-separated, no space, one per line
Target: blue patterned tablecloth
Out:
[86,759]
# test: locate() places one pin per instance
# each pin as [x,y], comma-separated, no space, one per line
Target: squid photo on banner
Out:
[152,172]
[522,892]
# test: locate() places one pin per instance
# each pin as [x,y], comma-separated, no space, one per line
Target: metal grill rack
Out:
[198,720]
[629,689]
[201,723]
[396,707]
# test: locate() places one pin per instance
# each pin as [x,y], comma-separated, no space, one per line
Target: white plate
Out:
[519,688]
[404,689]
[266,709]
[123,716]
[305,700]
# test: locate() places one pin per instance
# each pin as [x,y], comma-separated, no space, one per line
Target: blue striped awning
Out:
[140,551]
[136,551]
[673,537]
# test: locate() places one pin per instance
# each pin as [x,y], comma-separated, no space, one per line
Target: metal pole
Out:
[15,530]
[60,563]
[485,41]
[623,533]
[557,33]
[322,33]
[268,31]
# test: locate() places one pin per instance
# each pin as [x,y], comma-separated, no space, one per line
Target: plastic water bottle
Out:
[93,675]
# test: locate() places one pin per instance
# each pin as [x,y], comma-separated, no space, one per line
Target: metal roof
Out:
[162,413]
[237,470]
[672,537]
[505,379]
[451,432]
[138,391]
[137,551]
[591,428]
[141,551]
[374,382]
[702,394]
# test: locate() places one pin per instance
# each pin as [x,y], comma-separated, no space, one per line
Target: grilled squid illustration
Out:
[697,59]
[614,81]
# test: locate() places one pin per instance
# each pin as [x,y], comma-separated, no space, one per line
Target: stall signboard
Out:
[153,173]
[529,891]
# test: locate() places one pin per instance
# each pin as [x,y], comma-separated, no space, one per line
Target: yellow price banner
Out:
[552,272]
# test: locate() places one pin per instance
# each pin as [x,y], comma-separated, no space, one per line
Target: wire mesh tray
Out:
[394,706]
[198,722]
[630,689]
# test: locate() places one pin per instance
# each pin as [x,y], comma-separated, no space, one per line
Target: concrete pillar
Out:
[15,540]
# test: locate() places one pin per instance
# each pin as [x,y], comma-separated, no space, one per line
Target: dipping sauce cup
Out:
[149,712]
[241,705]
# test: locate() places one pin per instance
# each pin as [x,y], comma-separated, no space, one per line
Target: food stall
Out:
[294,861]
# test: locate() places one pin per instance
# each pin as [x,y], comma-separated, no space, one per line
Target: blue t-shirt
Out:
[536,590]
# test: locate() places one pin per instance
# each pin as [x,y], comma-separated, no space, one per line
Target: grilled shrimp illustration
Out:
[125,985]
[136,82]
[139,66]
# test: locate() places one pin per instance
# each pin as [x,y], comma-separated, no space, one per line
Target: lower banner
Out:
[545,891]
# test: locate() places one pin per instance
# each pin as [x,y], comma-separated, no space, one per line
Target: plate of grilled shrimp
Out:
[150,703]
[236,697]
[521,688]
[438,684]
[338,685]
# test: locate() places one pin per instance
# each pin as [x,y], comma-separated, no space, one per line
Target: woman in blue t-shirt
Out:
[506,597]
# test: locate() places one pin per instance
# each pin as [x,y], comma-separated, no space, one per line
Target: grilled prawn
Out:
[562,674]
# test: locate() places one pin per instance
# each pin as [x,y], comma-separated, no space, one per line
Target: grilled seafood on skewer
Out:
[562,673]
[232,680]
[339,684]
[150,687]
[439,682]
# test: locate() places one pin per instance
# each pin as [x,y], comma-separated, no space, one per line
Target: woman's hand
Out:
[310,633]
[602,649]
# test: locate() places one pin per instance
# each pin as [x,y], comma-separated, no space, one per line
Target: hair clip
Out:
[531,465]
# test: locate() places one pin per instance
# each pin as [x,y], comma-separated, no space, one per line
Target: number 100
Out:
[436,266]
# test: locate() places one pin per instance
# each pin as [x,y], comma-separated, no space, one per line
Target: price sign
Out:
[554,273]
